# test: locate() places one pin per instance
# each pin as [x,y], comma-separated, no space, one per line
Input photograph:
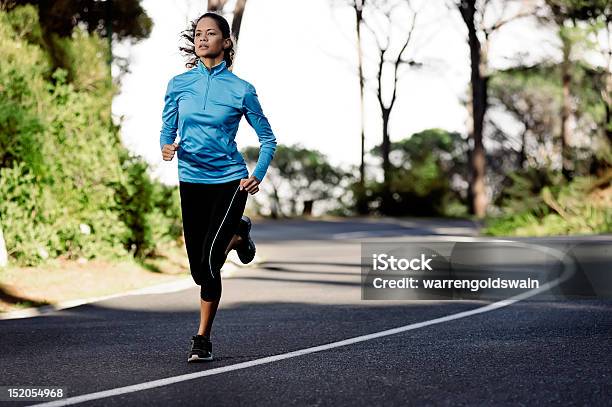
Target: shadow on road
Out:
[10,297]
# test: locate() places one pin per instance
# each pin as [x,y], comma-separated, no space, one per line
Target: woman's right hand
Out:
[168,151]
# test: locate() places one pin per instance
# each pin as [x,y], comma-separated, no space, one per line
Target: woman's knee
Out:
[211,264]
[211,291]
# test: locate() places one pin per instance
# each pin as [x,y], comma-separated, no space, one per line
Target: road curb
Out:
[163,288]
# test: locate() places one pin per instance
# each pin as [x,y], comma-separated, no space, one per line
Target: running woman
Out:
[205,104]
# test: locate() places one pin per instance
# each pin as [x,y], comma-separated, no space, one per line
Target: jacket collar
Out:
[213,71]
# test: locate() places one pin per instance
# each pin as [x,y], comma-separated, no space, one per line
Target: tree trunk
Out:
[216,5]
[293,209]
[608,124]
[358,18]
[275,206]
[607,98]
[3,252]
[386,147]
[477,189]
[566,110]
[607,91]
[522,158]
[237,21]
[219,5]
[387,204]
[362,202]
[307,211]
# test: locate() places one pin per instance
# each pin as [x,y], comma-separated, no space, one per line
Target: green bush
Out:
[583,206]
[69,188]
[423,167]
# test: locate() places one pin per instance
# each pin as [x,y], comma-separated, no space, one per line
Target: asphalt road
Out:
[306,294]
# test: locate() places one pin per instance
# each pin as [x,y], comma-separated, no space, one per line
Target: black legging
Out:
[211,215]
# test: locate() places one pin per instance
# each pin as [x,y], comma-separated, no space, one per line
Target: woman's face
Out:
[208,40]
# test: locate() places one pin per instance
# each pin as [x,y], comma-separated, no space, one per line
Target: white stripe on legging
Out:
[216,234]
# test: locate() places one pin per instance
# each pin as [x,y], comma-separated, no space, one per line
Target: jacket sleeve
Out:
[258,121]
[169,117]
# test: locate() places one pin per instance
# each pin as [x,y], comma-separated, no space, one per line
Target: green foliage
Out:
[537,200]
[300,175]
[82,57]
[545,205]
[24,23]
[523,187]
[423,168]
[165,219]
[587,85]
[151,211]
[533,96]
[127,17]
[133,195]
[581,9]
[68,186]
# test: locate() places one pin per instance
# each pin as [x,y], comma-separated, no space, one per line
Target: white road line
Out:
[567,273]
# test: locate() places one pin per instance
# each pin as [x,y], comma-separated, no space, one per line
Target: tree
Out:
[560,12]
[216,5]
[125,19]
[298,175]
[428,170]
[128,19]
[357,6]
[532,95]
[63,170]
[598,14]
[566,15]
[601,14]
[386,55]
[472,13]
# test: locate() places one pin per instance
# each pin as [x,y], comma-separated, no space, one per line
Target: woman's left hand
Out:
[251,184]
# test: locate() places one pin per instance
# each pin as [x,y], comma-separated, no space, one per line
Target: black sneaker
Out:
[246,248]
[201,349]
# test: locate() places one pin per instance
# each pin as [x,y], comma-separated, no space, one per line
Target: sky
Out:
[301,56]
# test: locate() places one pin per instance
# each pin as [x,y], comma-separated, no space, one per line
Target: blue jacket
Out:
[206,107]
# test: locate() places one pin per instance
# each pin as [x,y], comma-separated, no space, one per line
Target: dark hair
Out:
[188,50]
